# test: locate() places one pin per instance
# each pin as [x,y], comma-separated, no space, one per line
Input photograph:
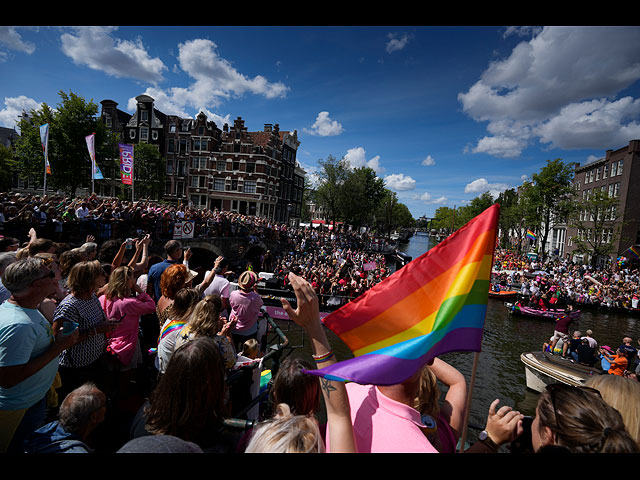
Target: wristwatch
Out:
[484,438]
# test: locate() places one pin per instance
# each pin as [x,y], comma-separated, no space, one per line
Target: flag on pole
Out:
[126,163]
[531,235]
[96,174]
[634,250]
[433,305]
[44,139]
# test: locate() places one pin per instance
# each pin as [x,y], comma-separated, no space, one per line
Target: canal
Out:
[500,372]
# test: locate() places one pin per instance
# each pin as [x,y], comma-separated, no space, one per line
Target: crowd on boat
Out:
[80,373]
[561,282]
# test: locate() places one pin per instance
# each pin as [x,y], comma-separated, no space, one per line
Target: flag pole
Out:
[463,438]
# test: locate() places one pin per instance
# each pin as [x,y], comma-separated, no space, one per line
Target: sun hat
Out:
[247,280]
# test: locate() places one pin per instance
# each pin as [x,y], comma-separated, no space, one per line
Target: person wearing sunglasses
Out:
[577,420]
[29,351]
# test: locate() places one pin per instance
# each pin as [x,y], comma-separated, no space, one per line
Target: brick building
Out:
[230,169]
[617,174]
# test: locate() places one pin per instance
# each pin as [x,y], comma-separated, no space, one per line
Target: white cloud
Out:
[428,161]
[394,44]
[10,38]
[481,185]
[559,87]
[428,199]
[324,126]
[357,159]
[214,79]
[96,48]
[13,109]
[400,182]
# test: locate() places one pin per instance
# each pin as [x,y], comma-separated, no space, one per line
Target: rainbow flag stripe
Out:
[434,305]
[635,251]
[531,235]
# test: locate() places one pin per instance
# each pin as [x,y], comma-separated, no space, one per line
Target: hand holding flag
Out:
[434,305]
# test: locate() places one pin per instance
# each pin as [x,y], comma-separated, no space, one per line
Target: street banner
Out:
[126,163]
[44,139]
[96,174]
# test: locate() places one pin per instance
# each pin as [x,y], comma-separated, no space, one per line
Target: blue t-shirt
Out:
[155,272]
[25,334]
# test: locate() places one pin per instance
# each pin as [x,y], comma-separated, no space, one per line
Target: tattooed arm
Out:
[307,315]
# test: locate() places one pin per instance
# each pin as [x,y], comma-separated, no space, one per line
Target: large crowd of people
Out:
[105,348]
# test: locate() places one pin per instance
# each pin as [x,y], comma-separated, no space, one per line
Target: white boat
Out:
[542,369]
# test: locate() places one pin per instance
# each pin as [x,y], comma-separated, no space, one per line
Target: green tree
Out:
[595,219]
[69,124]
[7,167]
[391,214]
[361,194]
[333,174]
[149,171]
[550,196]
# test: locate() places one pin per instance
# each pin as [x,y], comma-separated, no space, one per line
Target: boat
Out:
[519,309]
[501,294]
[542,369]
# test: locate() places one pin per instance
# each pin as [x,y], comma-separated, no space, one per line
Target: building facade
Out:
[617,175]
[231,169]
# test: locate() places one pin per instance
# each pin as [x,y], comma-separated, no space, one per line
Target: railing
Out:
[274,355]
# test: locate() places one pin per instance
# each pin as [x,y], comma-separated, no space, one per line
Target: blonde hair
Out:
[205,319]
[83,276]
[250,347]
[118,286]
[286,433]
[623,394]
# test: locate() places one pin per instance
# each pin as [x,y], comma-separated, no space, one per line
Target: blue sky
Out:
[443,114]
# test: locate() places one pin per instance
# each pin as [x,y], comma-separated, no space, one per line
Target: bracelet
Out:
[323,357]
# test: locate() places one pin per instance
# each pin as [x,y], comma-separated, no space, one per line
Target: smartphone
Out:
[523,443]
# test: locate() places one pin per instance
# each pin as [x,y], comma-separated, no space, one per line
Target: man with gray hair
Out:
[80,413]
[6,259]
[29,350]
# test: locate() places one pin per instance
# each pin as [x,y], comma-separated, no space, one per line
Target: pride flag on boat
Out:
[531,235]
[433,305]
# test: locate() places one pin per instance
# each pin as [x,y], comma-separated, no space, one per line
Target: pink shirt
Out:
[245,307]
[124,339]
[383,425]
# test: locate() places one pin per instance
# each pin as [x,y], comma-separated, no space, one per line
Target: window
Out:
[249,186]
[605,171]
[132,134]
[620,167]
[218,184]
[199,181]
[172,128]
[236,165]
[611,190]
[616,189]
[144,115]
[154,135]
[250,167]
[172,145]
[221,165]
[199,163]
[613,169]
[598,172]
[169,167]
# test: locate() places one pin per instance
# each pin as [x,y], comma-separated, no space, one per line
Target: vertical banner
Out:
[96,174]
[126,163]
[44,139]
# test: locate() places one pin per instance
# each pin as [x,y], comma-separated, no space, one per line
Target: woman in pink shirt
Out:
[120,304]
[245,306]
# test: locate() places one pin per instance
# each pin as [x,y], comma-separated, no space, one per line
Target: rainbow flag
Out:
[531,235]
[634,250]
[433,305]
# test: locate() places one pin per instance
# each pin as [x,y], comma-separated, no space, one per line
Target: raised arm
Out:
[307,315]
[453,408]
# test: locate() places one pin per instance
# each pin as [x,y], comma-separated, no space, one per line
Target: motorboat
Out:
[542,369]
[551,314]
[502,294]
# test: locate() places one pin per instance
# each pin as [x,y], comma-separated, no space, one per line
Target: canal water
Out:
[500,373]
